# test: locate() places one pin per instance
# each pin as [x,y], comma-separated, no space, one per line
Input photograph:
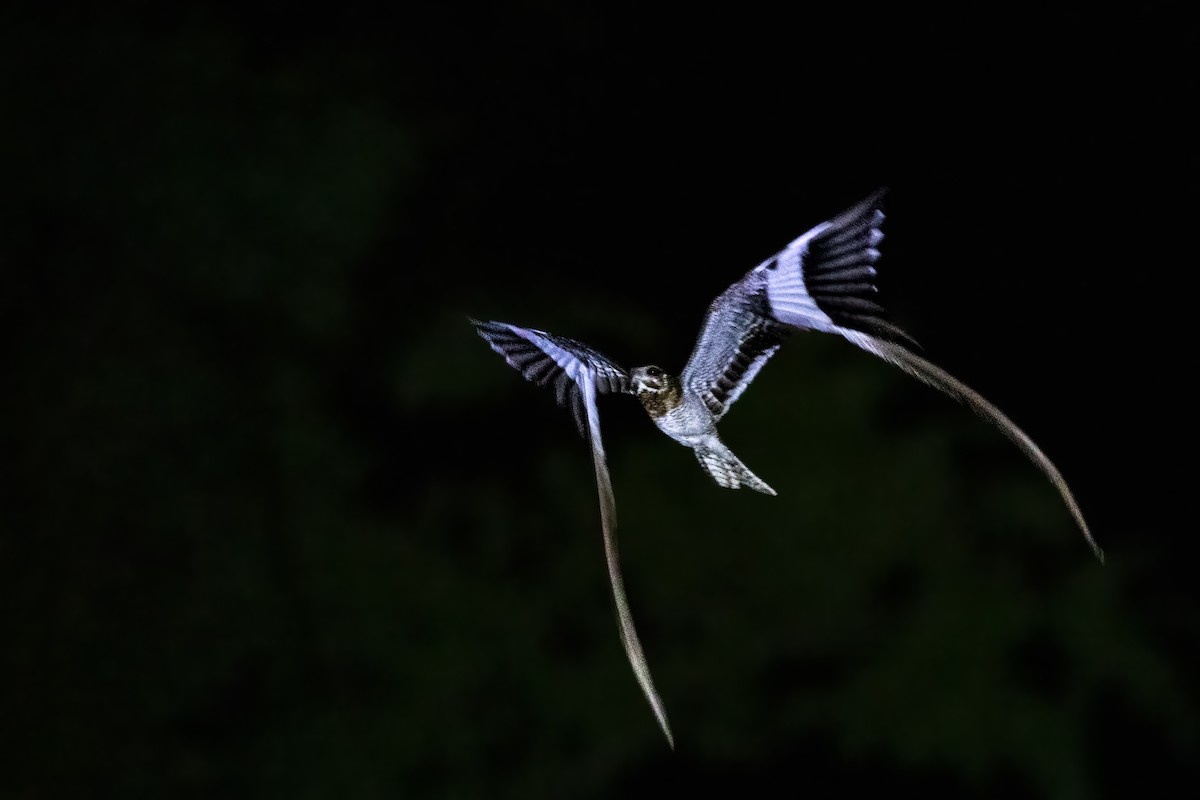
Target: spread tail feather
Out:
[727,469]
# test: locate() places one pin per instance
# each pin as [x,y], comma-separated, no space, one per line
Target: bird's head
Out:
[650,380]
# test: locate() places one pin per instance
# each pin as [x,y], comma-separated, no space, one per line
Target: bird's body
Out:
[681,414]
[822,281]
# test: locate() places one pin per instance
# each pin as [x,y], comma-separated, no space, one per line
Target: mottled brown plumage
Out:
[658,403]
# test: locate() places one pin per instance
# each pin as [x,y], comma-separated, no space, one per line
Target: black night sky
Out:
[274,522]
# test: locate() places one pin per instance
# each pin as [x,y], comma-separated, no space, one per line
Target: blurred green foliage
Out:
[277,524]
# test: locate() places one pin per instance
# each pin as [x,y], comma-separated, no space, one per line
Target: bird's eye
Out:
[654,372]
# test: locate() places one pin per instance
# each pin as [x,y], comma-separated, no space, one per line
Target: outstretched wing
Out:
[579,373]
[824,281]
[547,359]
[739,336]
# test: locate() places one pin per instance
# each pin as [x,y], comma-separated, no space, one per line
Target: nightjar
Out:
[822,281]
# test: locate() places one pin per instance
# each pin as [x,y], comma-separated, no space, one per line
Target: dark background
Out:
[275,522]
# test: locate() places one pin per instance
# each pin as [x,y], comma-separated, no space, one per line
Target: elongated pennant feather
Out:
[578,373]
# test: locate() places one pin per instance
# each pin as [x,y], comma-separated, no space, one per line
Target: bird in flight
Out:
[822,281]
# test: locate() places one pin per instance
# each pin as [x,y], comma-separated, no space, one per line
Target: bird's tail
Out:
[727,469]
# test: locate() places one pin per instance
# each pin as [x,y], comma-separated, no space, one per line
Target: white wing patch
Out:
[544,358]
[787,294]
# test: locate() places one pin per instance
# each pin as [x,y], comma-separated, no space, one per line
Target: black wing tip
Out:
[489,330]
[872,203]
[482,325]
[875,198]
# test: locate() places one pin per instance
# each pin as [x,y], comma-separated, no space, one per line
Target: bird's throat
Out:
[659,403]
